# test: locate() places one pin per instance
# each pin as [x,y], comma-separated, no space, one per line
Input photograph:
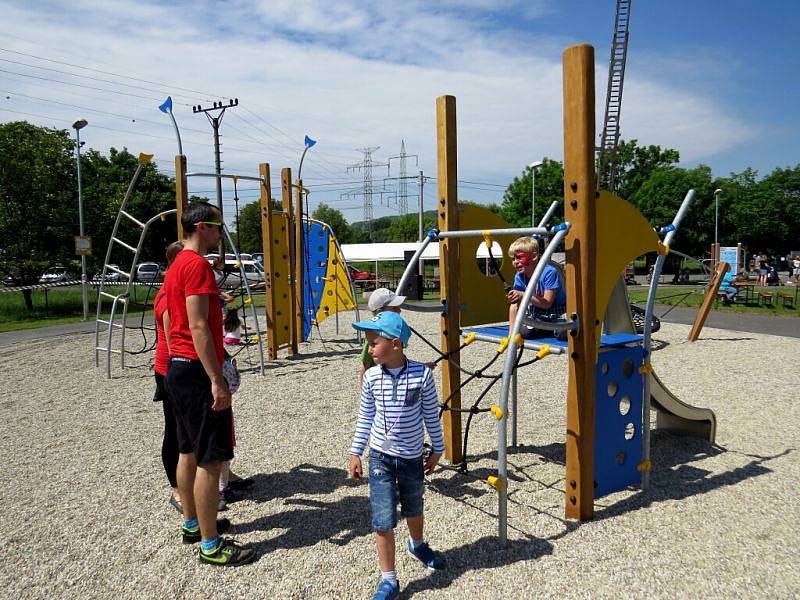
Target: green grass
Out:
[692,297]
[61,305]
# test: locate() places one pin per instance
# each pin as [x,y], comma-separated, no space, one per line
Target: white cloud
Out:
[351,74]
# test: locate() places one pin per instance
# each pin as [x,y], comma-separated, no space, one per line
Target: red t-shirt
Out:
[162,355]
[191,275]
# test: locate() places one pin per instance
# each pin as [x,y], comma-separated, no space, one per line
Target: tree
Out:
[249,233]
[516,208]
[335,219]
[406,228]
[635,165]
[38,201]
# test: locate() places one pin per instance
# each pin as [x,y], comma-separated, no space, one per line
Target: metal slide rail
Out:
[670,230]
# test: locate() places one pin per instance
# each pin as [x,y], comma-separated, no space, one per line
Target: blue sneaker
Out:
[425,555]
[387,591]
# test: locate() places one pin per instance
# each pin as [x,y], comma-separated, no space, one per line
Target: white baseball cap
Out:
[382,298]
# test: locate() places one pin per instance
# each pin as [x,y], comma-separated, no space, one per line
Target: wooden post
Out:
[181,190]
[286,197]
[448,267]
[708,301]
[299,253]
[580,206]
[269,260]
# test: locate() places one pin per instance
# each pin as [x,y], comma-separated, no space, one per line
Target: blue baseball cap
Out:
[387,324]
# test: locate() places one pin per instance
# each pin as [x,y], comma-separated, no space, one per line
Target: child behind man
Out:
[397,395]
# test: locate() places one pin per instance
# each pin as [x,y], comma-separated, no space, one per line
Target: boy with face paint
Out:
[549,300]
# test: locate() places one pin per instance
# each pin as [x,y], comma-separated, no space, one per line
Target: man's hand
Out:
[354,467]
[514,296]
[222,396]
[432,461]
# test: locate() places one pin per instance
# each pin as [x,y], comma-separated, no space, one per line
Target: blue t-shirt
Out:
[727,281]
[550,280]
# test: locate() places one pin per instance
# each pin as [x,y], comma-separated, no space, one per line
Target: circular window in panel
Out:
[625,405]
[627,367]
[613,388]
[604,368]
[484,261]
[630,431]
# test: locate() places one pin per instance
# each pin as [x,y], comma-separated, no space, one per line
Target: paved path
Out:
[785,326]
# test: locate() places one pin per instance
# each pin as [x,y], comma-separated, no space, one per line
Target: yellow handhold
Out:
[248,301]
[662,248]
[496,411]
[543,351]
[256,338]
[496,483]
[144,158]
[237,264]
[163,216]
[518,340]
[470,338]
[487,238]
[646,369]
[645,466]
[503,345]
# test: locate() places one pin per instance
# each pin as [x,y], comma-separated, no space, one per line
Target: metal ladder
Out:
[607,175]
[119,301]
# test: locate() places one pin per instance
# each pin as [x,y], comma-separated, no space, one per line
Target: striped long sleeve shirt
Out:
[392,411]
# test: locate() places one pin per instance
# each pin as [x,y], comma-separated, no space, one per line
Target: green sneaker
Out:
[228,554]
[192,536]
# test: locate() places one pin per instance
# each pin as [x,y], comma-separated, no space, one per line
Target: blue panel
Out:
[315,268]
[606,341]
[619,388]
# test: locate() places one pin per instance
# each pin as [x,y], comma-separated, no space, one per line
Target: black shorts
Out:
[205,432]
[161,389]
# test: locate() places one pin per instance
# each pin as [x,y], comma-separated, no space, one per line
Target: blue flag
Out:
[167,106]
[310,142]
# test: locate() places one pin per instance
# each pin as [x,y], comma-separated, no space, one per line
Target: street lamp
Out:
[532,167]
[717,192]
[78,125]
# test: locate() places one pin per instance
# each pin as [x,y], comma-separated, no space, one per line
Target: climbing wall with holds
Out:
[280,277]
[338,294]
[618,419]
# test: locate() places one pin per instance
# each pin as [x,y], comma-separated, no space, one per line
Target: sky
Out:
[715,79]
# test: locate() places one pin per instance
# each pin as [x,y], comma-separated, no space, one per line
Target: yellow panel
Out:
[483,295]
[336,295]
[283,312]
[622,235]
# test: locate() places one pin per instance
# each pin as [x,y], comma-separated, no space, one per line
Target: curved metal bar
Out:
[508,368]
[227,176]
[411,268]
[509,231]
[549,214]
[648,324]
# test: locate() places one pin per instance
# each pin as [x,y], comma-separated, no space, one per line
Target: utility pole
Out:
[215,122]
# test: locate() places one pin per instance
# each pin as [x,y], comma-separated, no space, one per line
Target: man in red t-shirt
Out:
[197,390]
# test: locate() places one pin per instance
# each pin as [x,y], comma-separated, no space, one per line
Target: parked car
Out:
[54,275]
[11,279]
[149,272]
[232,276]
[111,276]
[357,275]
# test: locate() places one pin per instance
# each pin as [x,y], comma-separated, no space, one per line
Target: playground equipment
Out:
[612,387]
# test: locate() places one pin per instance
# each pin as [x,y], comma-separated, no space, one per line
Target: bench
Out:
[787,298]
[766,298]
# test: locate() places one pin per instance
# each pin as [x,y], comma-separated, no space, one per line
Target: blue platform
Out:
[612,340]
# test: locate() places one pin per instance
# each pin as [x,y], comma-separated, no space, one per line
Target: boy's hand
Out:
[514,296]
[432,461]
[354,467]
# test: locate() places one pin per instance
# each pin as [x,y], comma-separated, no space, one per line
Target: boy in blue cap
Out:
[397,396]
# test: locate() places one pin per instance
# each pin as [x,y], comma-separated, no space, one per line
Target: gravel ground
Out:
[85,509]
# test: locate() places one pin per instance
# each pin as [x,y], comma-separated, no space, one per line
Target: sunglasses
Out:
[215,223]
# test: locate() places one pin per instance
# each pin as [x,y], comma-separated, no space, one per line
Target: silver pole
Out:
[84,283]
[533,197]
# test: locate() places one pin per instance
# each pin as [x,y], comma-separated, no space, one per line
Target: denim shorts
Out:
[392,479]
